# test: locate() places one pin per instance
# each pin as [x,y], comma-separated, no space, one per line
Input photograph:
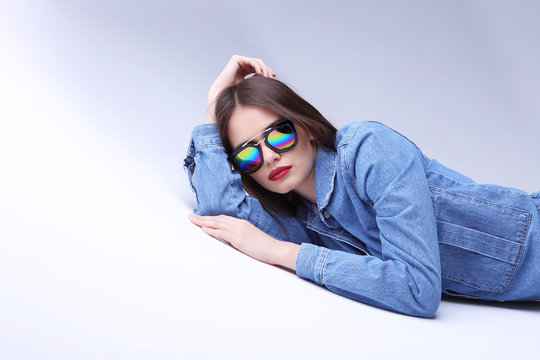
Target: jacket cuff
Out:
[310,262]
[202,135]
[205,134]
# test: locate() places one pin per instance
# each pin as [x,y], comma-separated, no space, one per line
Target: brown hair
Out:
[275,96]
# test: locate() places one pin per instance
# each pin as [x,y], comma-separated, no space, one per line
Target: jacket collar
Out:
[325,172]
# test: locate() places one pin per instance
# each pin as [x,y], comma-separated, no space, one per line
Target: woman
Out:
[361,211]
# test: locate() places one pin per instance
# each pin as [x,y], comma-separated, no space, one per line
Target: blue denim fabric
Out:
[391,228]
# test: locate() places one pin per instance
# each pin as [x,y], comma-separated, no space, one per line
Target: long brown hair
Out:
[275,96]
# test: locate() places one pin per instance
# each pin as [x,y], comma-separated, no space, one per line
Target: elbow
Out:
[210,204]
[429,306]
[208,210]
[213,207]
[426,294]
[423,305]
[427,299]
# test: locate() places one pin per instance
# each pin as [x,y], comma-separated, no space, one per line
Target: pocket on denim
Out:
[481,242]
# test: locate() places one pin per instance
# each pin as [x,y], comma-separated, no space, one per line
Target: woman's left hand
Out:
[242,235]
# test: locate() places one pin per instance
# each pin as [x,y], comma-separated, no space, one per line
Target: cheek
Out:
[259,176]
[306,149]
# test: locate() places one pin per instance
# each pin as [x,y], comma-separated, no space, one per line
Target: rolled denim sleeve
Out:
[219,190]
[387,171]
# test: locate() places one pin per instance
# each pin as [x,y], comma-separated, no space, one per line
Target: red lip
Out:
[279,172]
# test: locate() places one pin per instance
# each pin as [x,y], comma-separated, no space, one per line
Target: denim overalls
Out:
[391,228]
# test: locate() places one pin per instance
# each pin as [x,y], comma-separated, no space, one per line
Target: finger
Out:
[217,221]
[255,65]
[249,66]
[264,68]
[268,72]
[199,220]
[222,240]
[216,233]
[245,66]
[259,65]
[258,68]
[272,73]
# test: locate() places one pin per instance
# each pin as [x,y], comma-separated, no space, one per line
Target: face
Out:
[280,172]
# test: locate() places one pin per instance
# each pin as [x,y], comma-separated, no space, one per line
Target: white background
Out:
[97,102]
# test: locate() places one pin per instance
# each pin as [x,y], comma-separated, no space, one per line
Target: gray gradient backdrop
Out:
[97,102]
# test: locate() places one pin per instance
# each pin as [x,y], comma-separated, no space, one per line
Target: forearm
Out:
[211,105]
[389,284]
[219,190]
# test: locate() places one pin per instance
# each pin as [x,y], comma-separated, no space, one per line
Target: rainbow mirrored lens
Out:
[248,159]
[281,138]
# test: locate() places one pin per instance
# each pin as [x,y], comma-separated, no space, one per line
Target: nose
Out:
[269,155]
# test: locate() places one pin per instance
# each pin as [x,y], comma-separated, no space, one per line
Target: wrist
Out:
[286,254]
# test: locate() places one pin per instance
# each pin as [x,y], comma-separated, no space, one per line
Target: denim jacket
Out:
[391,228]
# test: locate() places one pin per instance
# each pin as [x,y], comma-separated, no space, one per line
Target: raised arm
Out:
[235,71]
[227,211]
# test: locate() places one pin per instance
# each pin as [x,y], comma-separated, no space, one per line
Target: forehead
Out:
[247,121]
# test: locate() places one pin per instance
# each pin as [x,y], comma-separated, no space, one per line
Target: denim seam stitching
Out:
[208,144]
[477,252]
[524,228]
[514,211]
[481,232]
[524,231]
[498,288]
[336,237]
[346,156]
[343,239]
[508,275]
[232,193]
[323,266]
[434,203]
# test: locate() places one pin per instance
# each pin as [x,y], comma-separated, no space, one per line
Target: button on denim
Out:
[392,227]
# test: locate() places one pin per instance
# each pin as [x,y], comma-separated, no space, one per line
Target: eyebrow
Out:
[269,126]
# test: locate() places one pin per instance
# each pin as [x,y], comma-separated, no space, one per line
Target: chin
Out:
[280,192]
[282,189]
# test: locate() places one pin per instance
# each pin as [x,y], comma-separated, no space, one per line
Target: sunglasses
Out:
[280,138]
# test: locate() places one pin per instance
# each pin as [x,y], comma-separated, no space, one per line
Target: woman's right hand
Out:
[234,72]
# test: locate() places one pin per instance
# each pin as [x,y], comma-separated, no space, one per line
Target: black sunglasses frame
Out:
[258,146]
